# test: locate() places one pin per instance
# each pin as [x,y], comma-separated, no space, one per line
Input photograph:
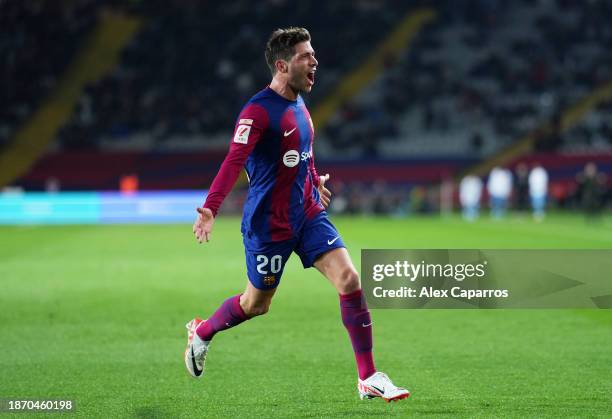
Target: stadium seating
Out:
[185,76]
[38,40]
[481,77]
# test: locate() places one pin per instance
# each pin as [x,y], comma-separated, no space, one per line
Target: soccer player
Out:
[499,187]
[538,189]
[470,191]
[284,212]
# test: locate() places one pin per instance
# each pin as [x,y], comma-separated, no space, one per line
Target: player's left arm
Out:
[319,182]
[324,193]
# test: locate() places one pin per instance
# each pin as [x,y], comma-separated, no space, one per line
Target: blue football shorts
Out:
[266,261]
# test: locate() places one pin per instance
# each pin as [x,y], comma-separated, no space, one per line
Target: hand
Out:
[323,191]
[203,224]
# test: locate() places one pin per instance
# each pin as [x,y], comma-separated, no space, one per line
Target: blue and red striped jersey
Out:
[273,141]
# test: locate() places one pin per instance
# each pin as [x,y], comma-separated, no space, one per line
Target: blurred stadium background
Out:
[410,96]
[122,111]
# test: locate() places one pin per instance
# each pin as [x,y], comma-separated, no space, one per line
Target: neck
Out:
[282,88]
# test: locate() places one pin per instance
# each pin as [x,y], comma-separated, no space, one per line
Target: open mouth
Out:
[311,77]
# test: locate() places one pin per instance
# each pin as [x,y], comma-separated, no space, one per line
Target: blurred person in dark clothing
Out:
[521,175]
[591,190]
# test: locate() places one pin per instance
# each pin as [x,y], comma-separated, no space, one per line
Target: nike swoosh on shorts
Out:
[330,242]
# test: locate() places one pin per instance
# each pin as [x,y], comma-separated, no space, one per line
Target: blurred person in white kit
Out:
[499,187]
[538,190]
[470,191]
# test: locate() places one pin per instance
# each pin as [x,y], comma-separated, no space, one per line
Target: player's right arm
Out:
[250,127]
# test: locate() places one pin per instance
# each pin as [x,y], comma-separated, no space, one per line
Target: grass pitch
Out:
[96,314]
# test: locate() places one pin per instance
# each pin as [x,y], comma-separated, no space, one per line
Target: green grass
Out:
[96,314]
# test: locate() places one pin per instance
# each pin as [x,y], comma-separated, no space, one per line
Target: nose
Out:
[314,62]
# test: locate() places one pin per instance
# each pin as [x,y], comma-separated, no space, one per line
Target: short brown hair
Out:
[281,45]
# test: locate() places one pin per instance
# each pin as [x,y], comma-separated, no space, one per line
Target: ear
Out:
[281,66]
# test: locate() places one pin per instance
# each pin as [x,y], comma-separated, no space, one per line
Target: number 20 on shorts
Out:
[274,264]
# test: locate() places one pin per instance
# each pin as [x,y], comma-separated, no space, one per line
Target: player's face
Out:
[302,67]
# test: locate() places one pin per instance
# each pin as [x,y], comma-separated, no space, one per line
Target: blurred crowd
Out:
[193,66]
[523,190]
[487,72]
[528,189]
[484,73]
[39,38]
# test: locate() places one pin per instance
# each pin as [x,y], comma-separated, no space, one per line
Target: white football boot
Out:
[195,354]
[379,385]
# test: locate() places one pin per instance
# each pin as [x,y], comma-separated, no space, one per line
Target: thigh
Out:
[265,263]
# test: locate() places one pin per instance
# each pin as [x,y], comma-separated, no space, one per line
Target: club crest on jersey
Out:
[242,134]
[291,158]
[269,280]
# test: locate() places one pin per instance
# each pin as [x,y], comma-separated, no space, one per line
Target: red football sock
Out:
[358,323]
[230,314]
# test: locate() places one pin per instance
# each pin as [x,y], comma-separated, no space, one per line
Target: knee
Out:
[348,281]
[255,308]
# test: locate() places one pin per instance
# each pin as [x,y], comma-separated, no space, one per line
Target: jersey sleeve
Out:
[316,180]
[250,127]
